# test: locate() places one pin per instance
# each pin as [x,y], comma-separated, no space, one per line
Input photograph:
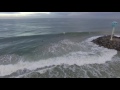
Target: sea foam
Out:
[96,55]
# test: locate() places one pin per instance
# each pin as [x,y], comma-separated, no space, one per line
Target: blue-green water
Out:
[53,48]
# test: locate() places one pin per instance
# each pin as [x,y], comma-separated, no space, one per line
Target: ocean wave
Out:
[93,54]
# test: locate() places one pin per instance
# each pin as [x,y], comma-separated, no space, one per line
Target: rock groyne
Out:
[107,43]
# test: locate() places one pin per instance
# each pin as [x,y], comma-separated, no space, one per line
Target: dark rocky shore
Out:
[107,43]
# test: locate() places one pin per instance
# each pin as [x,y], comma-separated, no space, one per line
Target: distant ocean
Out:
[56,48]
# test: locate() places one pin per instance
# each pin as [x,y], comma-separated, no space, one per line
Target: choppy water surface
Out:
[56,48]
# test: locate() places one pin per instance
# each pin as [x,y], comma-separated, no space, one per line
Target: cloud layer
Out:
[59,14]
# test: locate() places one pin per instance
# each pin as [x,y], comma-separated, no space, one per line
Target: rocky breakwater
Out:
[107,43]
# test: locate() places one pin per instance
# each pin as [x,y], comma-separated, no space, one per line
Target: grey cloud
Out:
[84,15]
[103,15]
[73,15]
[8,12]
[52,14]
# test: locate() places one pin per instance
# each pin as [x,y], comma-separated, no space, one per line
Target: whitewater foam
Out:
[97,55]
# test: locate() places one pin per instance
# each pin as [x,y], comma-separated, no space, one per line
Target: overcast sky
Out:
[59,15]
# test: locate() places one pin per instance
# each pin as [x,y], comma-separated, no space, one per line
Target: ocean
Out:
[56,48]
